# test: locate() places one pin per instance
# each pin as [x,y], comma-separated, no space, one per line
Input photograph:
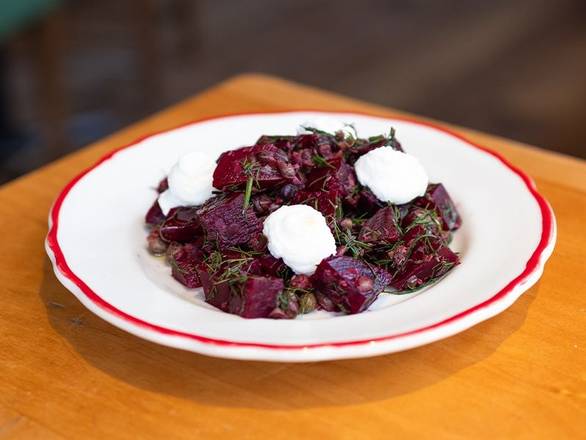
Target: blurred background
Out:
[72,72]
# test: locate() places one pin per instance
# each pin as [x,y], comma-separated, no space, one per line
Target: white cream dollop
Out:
[190,182]
[300,236]
[392,176]
[327,124]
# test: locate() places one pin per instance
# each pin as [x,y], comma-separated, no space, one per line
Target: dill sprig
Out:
[316,130]
[347,239]
[252,170]
[247,193]
[428,218]
[321,162]
[353,128]
[442,268]
[388,140]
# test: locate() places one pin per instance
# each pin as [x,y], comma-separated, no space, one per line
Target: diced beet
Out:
[381,227]
[372,143]
[425,269]
[268,265]
[262,203]
[337,175]
[426,220]
[319,177]
[182,225]
[184,261]
[324,302]
[436,197]
[258,243]
[397,256]
[351,284]
[285,143]
[257,298]
[324,201]
[309,146]
[419,233]
[230,168]
[154,216]
[303,158]
[347,179]
[232,171]
[301,282]
[323,189]
[267,164]
[216,294]
[305,141]
[226,223]
[368,203]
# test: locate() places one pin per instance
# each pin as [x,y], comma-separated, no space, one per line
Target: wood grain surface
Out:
[64,373]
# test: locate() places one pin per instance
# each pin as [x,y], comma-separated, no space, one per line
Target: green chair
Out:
[17,15]
[39,21]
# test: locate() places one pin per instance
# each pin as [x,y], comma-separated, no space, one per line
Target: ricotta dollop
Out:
[391,175]
[190,182]
[300,236]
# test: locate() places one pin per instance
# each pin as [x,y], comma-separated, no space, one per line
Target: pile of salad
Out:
[291,224]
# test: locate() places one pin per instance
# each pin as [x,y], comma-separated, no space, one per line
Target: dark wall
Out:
[515,68]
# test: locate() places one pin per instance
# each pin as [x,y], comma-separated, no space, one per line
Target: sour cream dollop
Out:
[300,236]
[392,176]
[190,182]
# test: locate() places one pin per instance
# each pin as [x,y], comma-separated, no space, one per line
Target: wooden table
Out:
[66,373]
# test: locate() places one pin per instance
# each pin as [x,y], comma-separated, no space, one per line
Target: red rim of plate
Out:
[532,264]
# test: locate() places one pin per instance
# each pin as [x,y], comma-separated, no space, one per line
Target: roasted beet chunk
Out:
[426,220]
[285,143]
[269,266]
[154,216]
[216,293]
[239,292]
[324,201]
[325,187]
[436,197]
[182,225]
[184,260]
[265,163]
[367,202]
[226,223]
[256,297]
[350,284]
[381,227]
[332,175]
[363,146]
[314,150]
[424,269]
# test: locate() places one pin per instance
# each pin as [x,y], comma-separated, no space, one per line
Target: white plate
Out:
[96,242]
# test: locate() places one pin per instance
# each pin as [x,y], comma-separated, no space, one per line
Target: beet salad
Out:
[320,220]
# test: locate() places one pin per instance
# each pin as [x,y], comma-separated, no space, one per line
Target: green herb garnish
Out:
[252,170]
[247,193]
[321,162]
[316,131]
[350,242]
